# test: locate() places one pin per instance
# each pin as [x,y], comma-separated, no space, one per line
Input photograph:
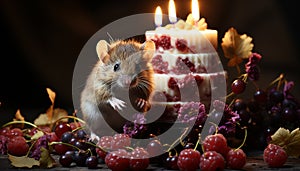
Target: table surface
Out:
[254,162]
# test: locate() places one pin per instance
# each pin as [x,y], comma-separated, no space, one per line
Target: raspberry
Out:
[181,45]
[275,156]
[212,160]
[139,159]
[159,66]
[236,159]
[164,42]
[216,142]
[117,160]
[120,141]
[188,159]
[105,144]
[17,146]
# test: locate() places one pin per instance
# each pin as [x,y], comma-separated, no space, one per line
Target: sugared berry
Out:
[212,161]
[117,160]
[139,159]
[189,159]
[236,159]
[275,156]
[216,142]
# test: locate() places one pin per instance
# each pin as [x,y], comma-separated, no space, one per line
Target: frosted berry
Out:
[236,159]
[117,160]
[188,159]
[212,161]
[275,156]
[181,45]
[139,159]
[216,142]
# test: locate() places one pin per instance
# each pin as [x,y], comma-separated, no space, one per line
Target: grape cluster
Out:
[267,111]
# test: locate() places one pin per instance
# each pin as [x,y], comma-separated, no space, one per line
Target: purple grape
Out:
[65,160]
[91,162]
[288,114]
[67,136]
[239,105]
[3,141]
[260,96]
[276,96]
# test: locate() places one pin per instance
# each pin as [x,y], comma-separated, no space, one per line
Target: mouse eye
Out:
[116,67]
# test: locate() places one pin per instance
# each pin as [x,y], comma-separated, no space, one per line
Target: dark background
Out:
[41,40]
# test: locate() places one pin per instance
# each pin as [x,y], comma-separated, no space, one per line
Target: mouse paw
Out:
[116,103]
[141,103]
[94,137]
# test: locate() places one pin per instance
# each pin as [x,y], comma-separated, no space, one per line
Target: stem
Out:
[70,117]
[54,143]
[229,95]
[30,148]
[281,76]
[198,141]
[245,137]
[216,126]
[22,122]
[179,139]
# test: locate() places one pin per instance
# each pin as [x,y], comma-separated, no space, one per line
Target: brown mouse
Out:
[123,66]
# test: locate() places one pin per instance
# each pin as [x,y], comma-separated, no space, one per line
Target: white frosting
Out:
[198,41]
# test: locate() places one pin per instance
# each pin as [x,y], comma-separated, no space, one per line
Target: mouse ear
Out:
[102,49]
[149,48]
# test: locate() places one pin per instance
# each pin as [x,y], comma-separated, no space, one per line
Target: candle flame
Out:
[158,16]
[172,11]
[195,10]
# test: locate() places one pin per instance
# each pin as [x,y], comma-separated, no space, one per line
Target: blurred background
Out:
[41,40]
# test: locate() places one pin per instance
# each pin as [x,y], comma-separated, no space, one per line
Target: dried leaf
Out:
[37,135]
[46,160]
[293,147]
[236,46]
[23,161]
[289,141]
[19,117]
[52,96]
[280,137]
[43,119]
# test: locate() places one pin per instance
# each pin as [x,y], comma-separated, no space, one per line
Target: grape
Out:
[67,136]
[91,162]
[260,96]
[276,96]
[238,105]
[238,86]
[65,160]
[288,114]
[62,128]
[81,134]
[80,158]
[154,148]
[40,142]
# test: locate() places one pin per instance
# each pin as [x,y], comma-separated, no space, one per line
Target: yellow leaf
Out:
[19,117]
[280,137]
[293,147]
[23,161]
[52,96]
[235,45]
[37,135]
[46,160]
[43,119]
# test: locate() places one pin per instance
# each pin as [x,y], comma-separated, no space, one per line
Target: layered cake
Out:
[185,63]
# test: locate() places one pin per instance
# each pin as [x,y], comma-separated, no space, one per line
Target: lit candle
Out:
[172,12]
[195,10]
[158,17]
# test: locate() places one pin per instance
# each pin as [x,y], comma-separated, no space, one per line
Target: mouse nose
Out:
[126,80]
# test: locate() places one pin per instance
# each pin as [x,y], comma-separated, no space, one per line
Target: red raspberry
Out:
[105,144]
[117,160]
[212,160]
[120,141]
[188,159]
[216,142]
[181,45]
[275,156]
[139,159]
[236,159]
[159,66]
[17,146]
[165,42]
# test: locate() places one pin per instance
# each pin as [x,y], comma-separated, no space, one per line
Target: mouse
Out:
[123,69]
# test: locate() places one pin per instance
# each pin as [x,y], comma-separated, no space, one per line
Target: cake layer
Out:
[169,63]
[186,41]
[187,87]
